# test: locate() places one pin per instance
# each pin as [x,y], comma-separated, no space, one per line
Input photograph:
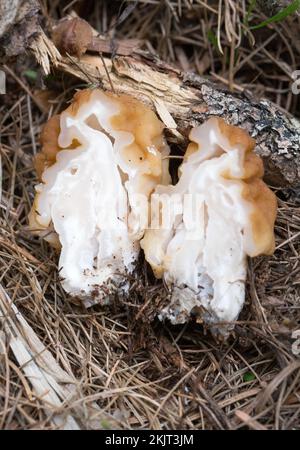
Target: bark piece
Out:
[19,22]
[190,99]
[272,7]
[47,380]
[183,100]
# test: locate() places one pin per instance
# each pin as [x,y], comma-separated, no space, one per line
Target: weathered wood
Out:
[182,100]
[185,100]
[19,23]
[271,7]
[50,384]
[48,381]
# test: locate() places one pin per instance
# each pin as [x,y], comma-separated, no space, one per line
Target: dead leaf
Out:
[72,36]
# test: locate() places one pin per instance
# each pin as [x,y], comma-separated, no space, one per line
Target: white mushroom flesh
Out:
[219,212]
[93,194]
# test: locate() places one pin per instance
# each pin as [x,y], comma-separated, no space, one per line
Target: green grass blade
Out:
[290,9]
[249,12]
[31,74]
[212,39]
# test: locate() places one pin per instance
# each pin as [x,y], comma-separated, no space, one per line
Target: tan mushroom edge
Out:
[133,117]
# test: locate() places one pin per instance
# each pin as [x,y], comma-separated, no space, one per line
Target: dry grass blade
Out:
[64,366]
[28,349]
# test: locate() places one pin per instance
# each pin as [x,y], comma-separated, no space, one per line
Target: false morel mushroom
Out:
[105,192]
[101,158]
[218,213]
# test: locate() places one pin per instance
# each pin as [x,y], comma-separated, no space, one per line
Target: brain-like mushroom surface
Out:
[218,213]
[101,158]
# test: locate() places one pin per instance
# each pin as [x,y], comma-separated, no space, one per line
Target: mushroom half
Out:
[205,226]
[101,158]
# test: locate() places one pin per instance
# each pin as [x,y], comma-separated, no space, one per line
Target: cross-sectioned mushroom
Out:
[218,213]
[101,158]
